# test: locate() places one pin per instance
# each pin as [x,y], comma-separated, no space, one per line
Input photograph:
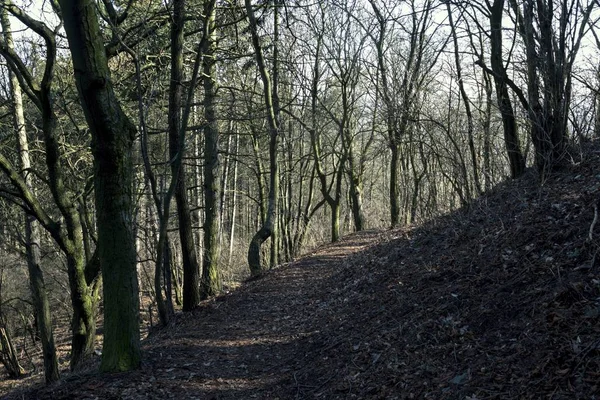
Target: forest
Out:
[155,154]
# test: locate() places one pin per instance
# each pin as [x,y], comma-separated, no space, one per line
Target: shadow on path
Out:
[250,343]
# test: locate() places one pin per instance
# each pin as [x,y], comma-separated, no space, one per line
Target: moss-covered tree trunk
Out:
[112,139]
[68,234]
[355,178]
[211,281]
[32,231]
[83,323]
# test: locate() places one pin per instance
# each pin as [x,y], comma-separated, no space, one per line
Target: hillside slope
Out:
[501,301]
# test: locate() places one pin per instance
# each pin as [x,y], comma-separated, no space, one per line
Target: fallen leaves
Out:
[500,301]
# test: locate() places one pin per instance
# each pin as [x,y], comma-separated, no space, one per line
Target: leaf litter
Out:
[497,301]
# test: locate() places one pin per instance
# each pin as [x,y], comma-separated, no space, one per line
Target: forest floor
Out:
[497,301]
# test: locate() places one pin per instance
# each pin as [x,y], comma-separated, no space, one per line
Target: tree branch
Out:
[508,81]
[33,205]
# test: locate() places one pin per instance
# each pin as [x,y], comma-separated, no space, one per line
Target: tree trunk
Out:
[270,97]
[112,140]
[224,182]
[465,98]
[258,165]
[539,136]
[8,355]
[391,117]
[176,277]
[511,137]
[597,106]
[335,221]
[191,269]
[83,322]
[32,233]
[162,267]
[275,132]
[355,193]
[234,201]
[164,302]
[394,188]
[597,116]
[487,134]
[332,201]
[70,239]
[40,301]
[211,280]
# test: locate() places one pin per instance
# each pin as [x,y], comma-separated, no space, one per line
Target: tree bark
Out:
[511,136]
[211,280]
[68,235]
[270,94]
[112,140]
[541,141]
[355,177]
[191,269]
[394,187]
[32,233]
[163,266]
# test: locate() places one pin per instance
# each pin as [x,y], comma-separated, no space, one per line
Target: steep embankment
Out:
[500,301]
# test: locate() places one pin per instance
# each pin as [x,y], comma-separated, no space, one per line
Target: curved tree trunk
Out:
[69,234]
[270,96]
[333,201]
[112,140]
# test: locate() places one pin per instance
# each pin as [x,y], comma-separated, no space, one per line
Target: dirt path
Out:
[500,301]
[256,342]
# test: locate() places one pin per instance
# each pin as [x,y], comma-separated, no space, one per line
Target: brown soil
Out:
[501,301]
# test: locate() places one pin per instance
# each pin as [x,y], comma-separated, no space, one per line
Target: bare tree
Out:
[552,33]
[271,99]
[113,135]
[402,78]
[84,271]
[32,229]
